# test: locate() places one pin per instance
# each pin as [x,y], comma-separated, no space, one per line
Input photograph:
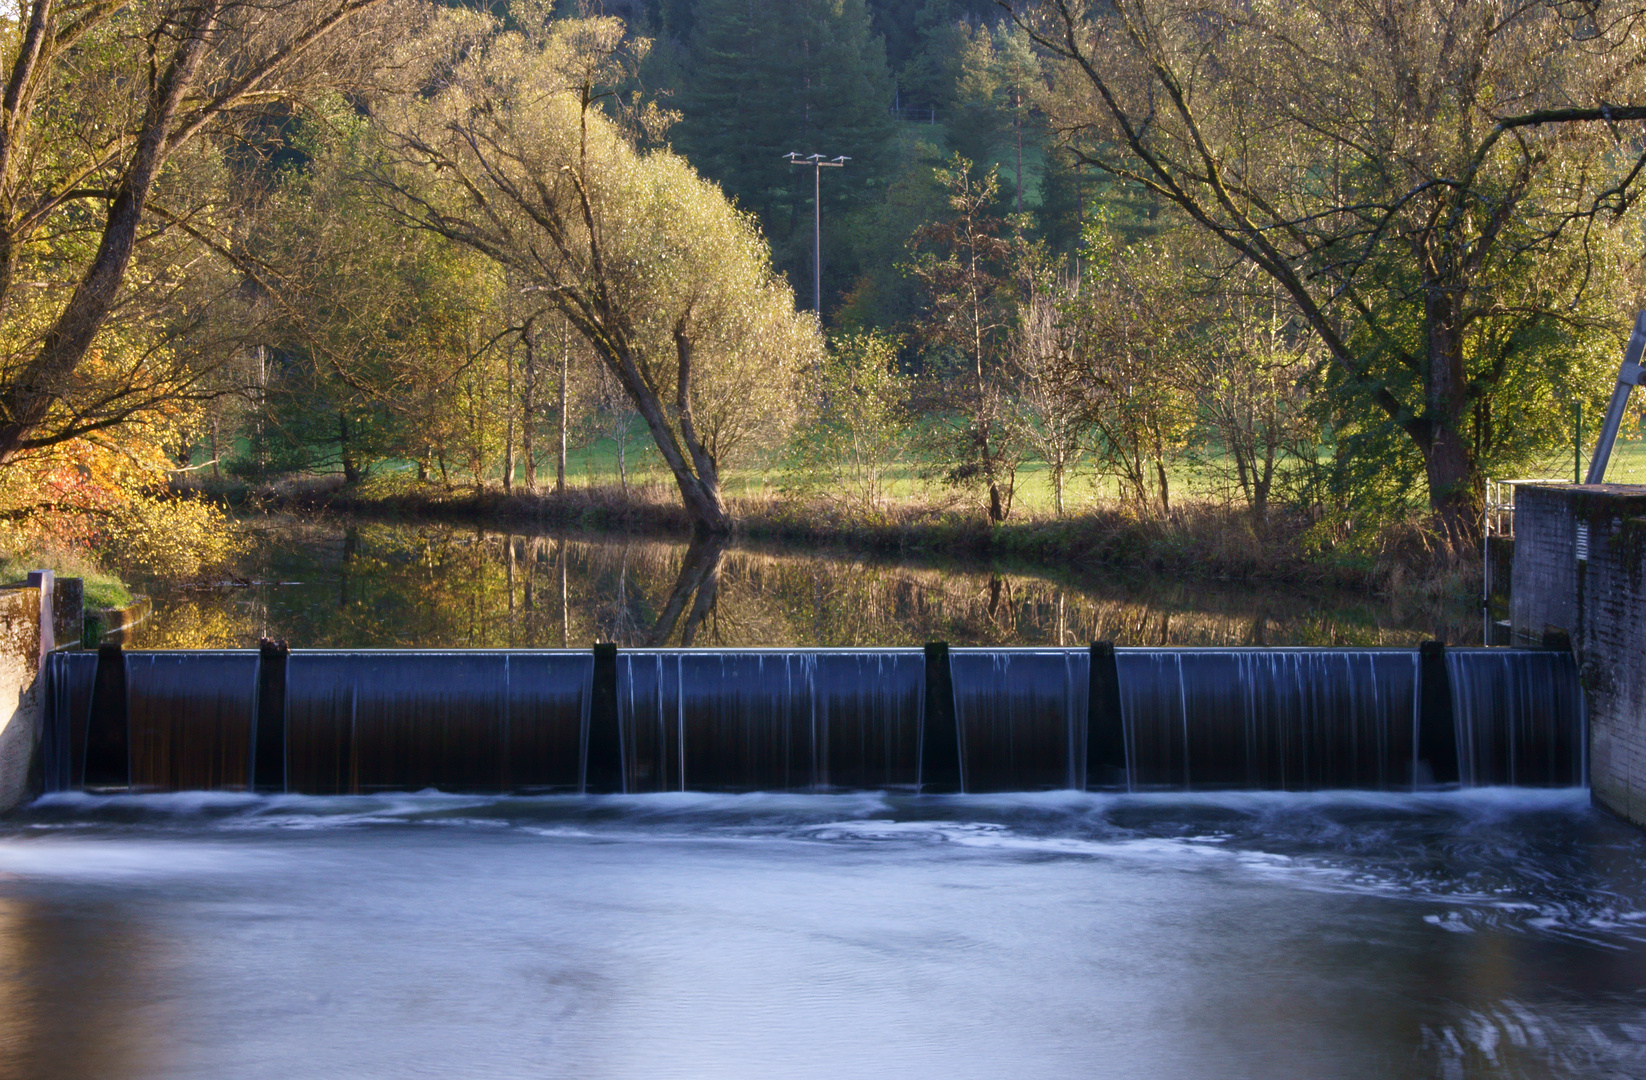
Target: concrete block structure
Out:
[21,690]
[35,616]
[1580,569]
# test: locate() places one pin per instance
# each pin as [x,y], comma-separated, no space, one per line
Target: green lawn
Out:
[1627,464]
[102,589]
[596,465]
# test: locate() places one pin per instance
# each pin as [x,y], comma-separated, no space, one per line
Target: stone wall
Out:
[1598,597]
[20,690]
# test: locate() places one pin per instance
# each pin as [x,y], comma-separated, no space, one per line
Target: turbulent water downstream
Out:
[1482,933]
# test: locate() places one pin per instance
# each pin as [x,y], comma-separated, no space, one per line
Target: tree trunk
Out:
[27,398]
[351,467]
[1265,482]
[1448,462]
[508,423]
[560,457]
[528,405]
[1450,472]
[700,489]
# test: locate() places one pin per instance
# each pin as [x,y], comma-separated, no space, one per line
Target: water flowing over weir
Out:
[935,720]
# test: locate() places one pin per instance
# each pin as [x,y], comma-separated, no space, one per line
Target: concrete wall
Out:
[1600,601]
[20,690]
[1543,593]
[68,608]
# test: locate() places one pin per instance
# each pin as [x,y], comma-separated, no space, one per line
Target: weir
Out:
[932,720]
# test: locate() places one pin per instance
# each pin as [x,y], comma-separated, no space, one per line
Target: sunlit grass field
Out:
[1208,478]
[596,465]
[1212,477]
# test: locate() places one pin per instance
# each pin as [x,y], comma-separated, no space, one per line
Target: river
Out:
[342,583]
[1485,933]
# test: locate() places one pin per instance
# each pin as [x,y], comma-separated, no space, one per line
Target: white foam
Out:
[174,802]
[63,859]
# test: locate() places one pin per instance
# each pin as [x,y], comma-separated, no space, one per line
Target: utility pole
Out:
[818,163]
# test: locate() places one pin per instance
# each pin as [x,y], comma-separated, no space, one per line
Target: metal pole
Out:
[1486,569]
[817,239]
[817,162]
[1628,377]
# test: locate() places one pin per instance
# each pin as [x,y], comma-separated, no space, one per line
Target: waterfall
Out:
[1269,719]
[769,719]
[359,721]
[189,719]
[1021,714]
[69,678]
[969,719]
[1520,718]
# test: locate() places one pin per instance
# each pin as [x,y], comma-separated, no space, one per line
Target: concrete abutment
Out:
[1580,571]
[35,616]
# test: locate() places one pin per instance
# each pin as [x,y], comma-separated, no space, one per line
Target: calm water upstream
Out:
[1487,933]
[365,584]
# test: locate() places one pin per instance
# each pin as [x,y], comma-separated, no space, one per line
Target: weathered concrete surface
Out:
[21,691]
[113,626]
[1600,601]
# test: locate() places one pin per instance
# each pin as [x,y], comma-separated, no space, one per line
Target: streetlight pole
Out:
[818,163]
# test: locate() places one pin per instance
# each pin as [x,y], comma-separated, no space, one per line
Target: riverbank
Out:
[1200,540]
[102,589]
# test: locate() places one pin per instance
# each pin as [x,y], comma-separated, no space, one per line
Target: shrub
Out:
[164,537]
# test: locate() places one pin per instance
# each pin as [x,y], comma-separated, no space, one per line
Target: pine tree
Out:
[807,76]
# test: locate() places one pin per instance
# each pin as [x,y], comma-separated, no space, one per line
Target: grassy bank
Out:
[1201,539]
[102,589]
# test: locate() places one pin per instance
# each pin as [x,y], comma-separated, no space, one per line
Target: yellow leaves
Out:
[99,496]
[160,536]
[80,476]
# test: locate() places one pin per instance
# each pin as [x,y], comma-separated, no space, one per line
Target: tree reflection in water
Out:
[374,584]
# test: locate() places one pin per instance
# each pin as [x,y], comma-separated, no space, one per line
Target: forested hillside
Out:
[1327,268]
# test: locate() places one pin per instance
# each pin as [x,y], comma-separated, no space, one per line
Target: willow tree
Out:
[671,286]
[1442,190]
